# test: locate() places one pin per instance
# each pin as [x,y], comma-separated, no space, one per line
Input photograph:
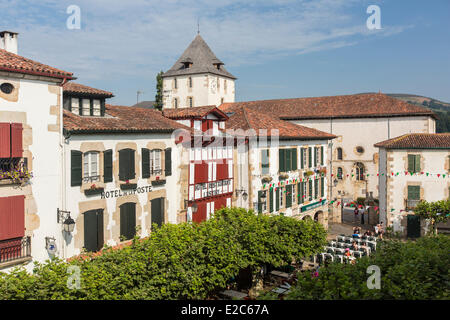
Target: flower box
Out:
[283,176]
[128,186]
[266,179]
[158,182]
[93,191]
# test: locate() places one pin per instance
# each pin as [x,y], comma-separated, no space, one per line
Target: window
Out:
[413,196]
[303,157]
[339,173]
[301,191]
[359,171]
[12,218]
[155,162]
[86,107]
[322,187]
[175,83]
[128,220]
[90,167]
[414,163]
[221,101]
[96,107]
[282,190]
[75,105]
[93,230]
[175,102]
[190,82]
[289,193]
[190,100]
[310,190]
[360,149]
[6,88]
[339,153]
[157,211]
[262,201]
[316,188]
[11,140]
[309,157]
[265,161]
[287,159]
[126,164]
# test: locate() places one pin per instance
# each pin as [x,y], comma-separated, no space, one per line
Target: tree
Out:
[437,212]
[159,89]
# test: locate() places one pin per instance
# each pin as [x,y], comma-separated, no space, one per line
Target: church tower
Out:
[198,78]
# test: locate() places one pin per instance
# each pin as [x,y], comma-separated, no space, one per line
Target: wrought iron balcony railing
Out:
[14,249]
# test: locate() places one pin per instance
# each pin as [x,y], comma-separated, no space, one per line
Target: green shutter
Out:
[157,207]
[309,157]
[145,163]
[322,187]
[299,193]
[277,204]
[288,156]
[294,159]
[80,106]
[91,107]
[316,188]
[281,160]
[271,200]
[102,107]
[289,196]
[301,158]
[321,155]
[90,231]
[126,164]
[107,166]
[417,163]
[168,161]
[411,159]
[413,192]
[259,201]
[128,220]
[100,236]
[76,167]
[310,190]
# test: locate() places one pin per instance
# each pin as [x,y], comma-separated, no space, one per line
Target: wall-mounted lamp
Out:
[244,194]
[67,221]
[194,206]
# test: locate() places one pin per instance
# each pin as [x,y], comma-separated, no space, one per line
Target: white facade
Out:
[394,204]
[36,103]
[204,90]
[362,132]
[110,200]
[255,180]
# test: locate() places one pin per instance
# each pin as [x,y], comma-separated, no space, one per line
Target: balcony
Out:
[15,251]
[14,171]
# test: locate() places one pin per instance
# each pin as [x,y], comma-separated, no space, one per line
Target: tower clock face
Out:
[213,85]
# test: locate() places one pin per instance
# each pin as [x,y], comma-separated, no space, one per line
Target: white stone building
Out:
[30,138]
[122,170]
[412,167]
[197,79]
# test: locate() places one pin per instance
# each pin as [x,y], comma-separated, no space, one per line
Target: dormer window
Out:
[187,63]
[85,106]
[217,63]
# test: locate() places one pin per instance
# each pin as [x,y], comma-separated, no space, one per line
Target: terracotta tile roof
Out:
[195,112]
[247,119]
[121,119]
[417,141]
[346,106]
[15,63]
[73,87]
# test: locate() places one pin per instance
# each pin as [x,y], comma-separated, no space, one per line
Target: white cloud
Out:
[135,39]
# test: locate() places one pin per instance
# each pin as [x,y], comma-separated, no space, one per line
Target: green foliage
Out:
[183,261]
[159,89]
[437,212]
[409,270]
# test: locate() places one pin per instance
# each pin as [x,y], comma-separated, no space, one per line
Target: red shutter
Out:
[200,215]
[201,173]
[12,217]
[5,140]
[16,140]
[222,171]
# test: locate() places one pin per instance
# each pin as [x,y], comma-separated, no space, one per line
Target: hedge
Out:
[182,261]
[409,270]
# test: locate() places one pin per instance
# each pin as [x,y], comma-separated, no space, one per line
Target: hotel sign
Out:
[312,205]
[120,193]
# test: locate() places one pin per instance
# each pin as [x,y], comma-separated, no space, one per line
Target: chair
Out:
[339,257]
[330,250]
[357,254]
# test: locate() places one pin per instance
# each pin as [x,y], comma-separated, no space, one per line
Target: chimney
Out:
[8,41]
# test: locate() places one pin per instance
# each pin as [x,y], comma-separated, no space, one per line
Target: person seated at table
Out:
[347,252]
[355,246]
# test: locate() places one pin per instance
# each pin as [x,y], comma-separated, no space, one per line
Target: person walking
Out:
[356,214]
[362,216]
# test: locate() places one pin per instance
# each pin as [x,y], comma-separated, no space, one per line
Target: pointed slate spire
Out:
[201,60]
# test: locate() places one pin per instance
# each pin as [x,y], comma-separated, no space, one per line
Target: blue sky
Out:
[277,49]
